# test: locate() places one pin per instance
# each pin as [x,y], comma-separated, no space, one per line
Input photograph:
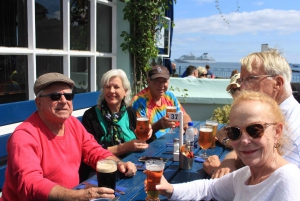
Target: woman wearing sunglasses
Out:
[111,121]
[256,130]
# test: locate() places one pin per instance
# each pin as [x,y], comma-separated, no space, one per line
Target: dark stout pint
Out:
[142,128]
[107,173]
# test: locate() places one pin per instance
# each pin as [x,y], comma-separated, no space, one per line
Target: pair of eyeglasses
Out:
[233,90]
[253,130]
[57,96]
[205,75]
[156,81]
[249,79]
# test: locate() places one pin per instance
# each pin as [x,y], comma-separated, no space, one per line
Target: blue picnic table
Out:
[135,186]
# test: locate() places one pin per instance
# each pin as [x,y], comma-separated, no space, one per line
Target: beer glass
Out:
[107,173]
[170,109]
[205,139]
[155,170]
[214,125]
[142,128]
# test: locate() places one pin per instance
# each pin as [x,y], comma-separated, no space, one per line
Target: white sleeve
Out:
[204,189]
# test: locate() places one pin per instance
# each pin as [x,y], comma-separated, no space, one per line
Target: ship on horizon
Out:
[193,59]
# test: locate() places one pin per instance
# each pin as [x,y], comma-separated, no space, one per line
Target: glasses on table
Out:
[57,96]
[170,109]
[205,139]
[251,78]
[253,130]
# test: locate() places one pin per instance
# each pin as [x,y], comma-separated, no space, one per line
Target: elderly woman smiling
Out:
[111,122]
[256,126]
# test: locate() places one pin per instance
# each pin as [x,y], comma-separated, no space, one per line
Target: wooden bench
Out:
[14,113]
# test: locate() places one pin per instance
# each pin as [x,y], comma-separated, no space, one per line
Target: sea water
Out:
[224,69]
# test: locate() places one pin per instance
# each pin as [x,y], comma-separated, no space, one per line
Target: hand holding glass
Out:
[107,173]
[170,109]
[205,139]
[155,170]
[142,128]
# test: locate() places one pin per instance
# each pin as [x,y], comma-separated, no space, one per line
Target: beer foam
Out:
[155,167]
[107,167]
[142,119]
[212,123]
[171,107]
[206,129]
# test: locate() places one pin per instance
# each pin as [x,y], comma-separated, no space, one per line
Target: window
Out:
[73,37]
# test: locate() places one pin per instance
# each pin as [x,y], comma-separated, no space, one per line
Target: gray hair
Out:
[273,63]
[105,80]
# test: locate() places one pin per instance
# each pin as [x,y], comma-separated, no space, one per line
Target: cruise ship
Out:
[193,59]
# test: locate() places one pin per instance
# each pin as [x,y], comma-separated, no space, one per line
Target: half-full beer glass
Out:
[170,109]
[214,125]
[204,139]
[142,128]
[155,170]
[107,173]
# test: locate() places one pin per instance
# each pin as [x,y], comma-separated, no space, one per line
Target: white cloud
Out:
[267,20]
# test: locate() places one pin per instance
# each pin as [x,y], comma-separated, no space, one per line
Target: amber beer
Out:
[142,128]
[107,173]
[214,125]
[205,135]
[170,109]
[155,170]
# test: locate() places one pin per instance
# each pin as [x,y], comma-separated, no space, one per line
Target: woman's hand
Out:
[136,145]
[128,168]
[165,188]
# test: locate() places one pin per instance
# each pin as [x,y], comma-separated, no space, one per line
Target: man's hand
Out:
[211,164]
[166,123]
[127,167]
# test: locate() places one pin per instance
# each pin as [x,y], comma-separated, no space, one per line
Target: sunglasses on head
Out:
[253,130]
[57,96]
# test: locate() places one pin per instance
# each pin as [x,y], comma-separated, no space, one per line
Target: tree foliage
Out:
[144,16]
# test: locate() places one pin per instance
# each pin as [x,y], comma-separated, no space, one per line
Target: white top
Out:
[190,76]
[282,184]
[291,110]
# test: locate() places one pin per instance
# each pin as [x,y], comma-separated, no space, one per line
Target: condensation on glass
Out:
[80,25]
[104,28]
[13,23]
[48,64]
[103,65]
[49,24]
[13,78]
[80,68]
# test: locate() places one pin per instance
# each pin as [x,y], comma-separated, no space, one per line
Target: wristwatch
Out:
[224,141]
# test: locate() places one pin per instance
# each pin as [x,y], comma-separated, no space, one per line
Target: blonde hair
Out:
[273,63]
[115,73]
[274,112]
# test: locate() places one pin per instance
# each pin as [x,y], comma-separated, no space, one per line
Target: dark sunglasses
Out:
[57,96]
[253,130]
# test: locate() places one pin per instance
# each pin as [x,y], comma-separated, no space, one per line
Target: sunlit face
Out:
[254,152]
[261,84]
[158,86]
[55,111]
[114,92]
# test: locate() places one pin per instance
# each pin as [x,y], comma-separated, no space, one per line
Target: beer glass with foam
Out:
[214,125]
[155,170]
[170,109]
[205,139]
[107,173]
[142,128]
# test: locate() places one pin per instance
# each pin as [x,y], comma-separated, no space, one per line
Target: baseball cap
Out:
[49,78]
[158,71]
[233,80]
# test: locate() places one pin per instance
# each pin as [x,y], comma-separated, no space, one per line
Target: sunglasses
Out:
[233,90]
[57,96]
[253,130]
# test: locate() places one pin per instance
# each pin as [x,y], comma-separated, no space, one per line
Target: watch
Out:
[224,141]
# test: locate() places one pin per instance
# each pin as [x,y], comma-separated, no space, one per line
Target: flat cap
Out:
[49,78]
[159,71]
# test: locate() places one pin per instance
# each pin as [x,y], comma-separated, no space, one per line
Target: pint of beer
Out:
[155,170]
[142,128]
[214,125]
[170,109]
[205,139]
[107,173]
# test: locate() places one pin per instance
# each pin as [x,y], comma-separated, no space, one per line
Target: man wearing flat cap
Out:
[45,151]
[153,100]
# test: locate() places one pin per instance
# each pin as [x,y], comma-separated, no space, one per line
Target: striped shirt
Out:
[291,149]
[145,106]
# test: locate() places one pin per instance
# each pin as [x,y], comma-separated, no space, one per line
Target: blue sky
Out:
[200,28]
